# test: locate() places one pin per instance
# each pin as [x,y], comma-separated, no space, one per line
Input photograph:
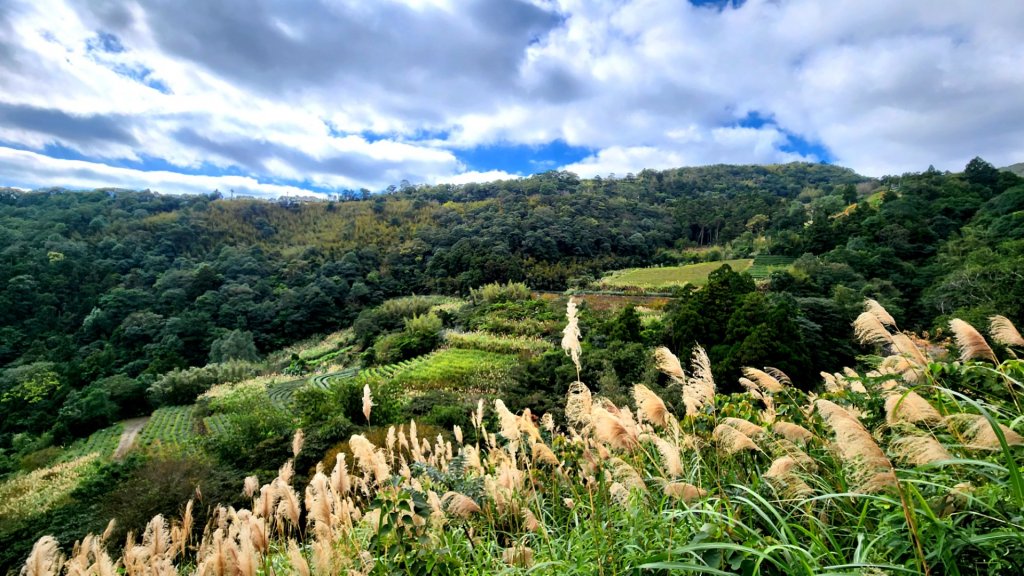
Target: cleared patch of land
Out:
[668,276]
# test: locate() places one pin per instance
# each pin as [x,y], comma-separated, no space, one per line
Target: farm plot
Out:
[668,276]
[455,369]
[765,265]
[102,442]
[172,425]
[499,344]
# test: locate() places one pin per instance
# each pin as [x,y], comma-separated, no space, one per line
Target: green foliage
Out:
[234,345]
[256,432]
[183,386]
[496,292]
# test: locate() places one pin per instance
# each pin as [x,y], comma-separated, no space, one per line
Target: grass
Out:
[26,495]
[668,276]
[713,485]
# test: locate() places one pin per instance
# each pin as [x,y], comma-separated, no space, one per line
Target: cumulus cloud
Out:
[332,94]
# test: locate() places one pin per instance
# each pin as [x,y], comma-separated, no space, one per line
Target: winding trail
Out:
[131,432]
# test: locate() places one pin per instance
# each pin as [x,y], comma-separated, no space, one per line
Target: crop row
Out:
[457,369]
[170,425]
[102,442]
[489,342]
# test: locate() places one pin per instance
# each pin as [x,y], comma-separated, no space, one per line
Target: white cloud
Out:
[339,93]
[30,170]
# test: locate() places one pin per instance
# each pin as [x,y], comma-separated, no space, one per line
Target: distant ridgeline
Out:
[131,285]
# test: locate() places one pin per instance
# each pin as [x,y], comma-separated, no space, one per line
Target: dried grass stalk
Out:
[910,407]
[971,343]
[793,432]
[650,406]
[870,469]
[731,440]
[919,450]
[669,364]
[978,433]
[683,491]
[1004,332]
[869,330]
[879,312]
[578,404]
[763,379]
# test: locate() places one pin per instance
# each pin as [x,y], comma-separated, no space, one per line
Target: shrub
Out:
[183,386]
[497,292]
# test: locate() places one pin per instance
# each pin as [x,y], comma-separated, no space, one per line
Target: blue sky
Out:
[298,97]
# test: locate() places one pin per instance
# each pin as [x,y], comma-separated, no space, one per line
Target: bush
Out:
[257,433]
[183,386]
[497,292]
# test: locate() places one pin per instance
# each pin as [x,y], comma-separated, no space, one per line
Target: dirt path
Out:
[131,432]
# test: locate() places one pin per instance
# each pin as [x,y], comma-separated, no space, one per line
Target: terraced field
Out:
[765,265]
[102,442]
[456,369]
[172,425]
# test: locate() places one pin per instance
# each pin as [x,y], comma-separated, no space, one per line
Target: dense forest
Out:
[116,303]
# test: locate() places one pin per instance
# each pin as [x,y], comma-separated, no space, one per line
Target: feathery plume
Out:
[978,432]
[367,401]
[763,379]
[871,469]
[650,406]
[779,375]
[541,453]
[340,482]
[971,343]
[919,450]
[731,440]
[508,421]
[670,459]
[370,459]
[869,330]
[571,334]
[609,428]
[457,431]
[793,432]
[458,504]
[45,558]
[906,347]
[298,562]
[1004,332]
[783,476]
[250,486]
[578,403]
[699,390]
[297,441]
[909,407]
[683,491]
[669,364]
[876,310]
[519,556]
[748,428]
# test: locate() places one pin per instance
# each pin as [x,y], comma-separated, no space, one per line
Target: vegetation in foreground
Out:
[910,467]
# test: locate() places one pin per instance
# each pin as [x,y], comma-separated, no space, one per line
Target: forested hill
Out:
[135,284]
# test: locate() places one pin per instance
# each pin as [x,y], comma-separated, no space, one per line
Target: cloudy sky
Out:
[276,97]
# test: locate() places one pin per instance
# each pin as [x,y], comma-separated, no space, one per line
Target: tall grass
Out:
[863,479]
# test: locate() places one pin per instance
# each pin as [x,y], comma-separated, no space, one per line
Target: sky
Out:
[304,97]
